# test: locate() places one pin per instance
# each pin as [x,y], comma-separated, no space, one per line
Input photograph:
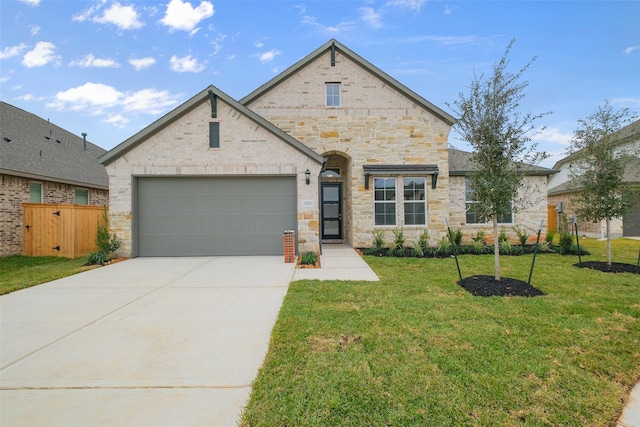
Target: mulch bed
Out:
[488,286]
[615,267]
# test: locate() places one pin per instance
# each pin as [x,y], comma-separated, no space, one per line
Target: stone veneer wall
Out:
[14,191]
[587,228]
[534,191]
[375,125]
[182,149]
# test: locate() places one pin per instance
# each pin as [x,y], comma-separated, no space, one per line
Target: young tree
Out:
[501,137]
[599,169]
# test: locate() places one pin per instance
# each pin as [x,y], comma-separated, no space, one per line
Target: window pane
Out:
[385,214]
[472,216]
[35,192]
[82,197]
[330,194]
[214,135]
[333,94]
[414,213]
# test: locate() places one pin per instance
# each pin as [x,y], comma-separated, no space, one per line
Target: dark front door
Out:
[332,210]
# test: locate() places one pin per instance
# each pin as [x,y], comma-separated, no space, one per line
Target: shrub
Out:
[477,246]
[522,235]
[423,240]
[550,235]
[309,258]
[566,243]
[478,237]
[418,250]
[107,244]
[544,246]
[398,239]
[378,239]
[444,248]
[505,247]
[502,236]
[456,235]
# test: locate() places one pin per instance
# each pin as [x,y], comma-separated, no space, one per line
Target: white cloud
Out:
[124,17]
[185,64]
[42,54]
[217,43]
[34,30]
[149,101]
[371,17]
[631,49]
[327,30]
[89,95]
[267,56]
[183,16]
[142,63]
[90,61]
[10,51]
[626,102]
[258,44]
[33,3]
[414,5]
[553,135]
[117,107]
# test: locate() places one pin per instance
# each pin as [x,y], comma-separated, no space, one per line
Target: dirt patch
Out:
[488,286]
[615,267]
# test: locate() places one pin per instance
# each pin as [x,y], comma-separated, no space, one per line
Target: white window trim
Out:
[375,202]
[326,95]
[415,202]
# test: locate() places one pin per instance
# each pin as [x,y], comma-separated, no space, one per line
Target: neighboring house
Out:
[43,163]
[561,191]
[332,148]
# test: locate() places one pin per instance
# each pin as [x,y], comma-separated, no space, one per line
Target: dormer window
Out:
[333,94]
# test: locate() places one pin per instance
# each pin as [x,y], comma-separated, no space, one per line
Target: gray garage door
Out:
[214,216]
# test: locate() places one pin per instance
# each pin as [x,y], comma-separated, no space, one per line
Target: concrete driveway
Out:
[144,342]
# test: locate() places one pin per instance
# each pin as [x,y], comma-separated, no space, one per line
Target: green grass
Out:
[415,349]
[19,272]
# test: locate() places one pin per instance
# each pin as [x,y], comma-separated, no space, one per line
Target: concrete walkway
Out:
[338,262]
[144,342]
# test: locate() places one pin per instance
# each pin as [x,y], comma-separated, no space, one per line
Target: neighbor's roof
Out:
[361,62]
[461,164]
[629,133]
[35,148]
[189,105]
[631,176]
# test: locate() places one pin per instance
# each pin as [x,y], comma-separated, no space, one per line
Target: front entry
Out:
[331,211]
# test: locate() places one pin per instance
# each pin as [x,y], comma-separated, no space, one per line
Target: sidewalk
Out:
[338,262]
[631,414]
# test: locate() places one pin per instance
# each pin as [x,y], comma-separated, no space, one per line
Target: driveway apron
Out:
[144,342]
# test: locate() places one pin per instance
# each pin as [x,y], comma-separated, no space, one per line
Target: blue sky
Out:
[110,68]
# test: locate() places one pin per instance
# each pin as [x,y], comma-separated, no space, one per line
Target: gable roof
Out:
[189,105]
[334,44]
[35,148]
[627,134]
[461,164]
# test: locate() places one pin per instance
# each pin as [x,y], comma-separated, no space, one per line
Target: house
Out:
[332,148]
[561,190]
[43,163]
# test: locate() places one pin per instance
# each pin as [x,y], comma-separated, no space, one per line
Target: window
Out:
[35,192]
[415,206]
[82,196]
[331,173]
[333,94]
[384,196]
[471,207]
[214,135]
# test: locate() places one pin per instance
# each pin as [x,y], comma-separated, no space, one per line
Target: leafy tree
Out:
[501,137]
[599,169]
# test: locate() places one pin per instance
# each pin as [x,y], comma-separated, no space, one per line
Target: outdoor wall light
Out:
[307,176]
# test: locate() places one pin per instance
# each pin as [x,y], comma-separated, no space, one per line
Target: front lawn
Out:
[417,349]
[19,272]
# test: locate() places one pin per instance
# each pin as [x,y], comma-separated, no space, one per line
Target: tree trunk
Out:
[608,242]
[496,247]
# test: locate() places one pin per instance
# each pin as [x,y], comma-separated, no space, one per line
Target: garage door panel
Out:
[214,216]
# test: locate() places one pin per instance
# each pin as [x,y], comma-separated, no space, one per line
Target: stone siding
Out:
[527,217]
[182,149]
[15,191]
[375,124]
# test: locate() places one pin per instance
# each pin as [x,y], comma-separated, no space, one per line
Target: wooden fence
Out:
[552,218]
[60,230]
